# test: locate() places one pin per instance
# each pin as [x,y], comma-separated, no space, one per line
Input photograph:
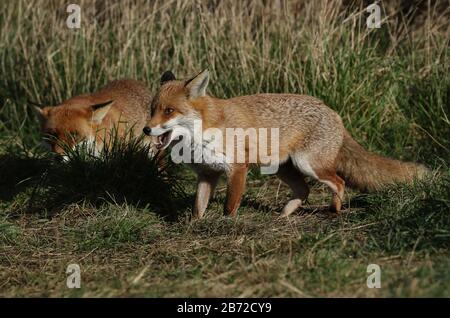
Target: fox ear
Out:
[39,111]
[196,86]
[99,111]
[166,77]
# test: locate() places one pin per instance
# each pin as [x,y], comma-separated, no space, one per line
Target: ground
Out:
[124,250]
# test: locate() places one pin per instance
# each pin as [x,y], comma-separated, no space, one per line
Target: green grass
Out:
[129,251]
[127,224]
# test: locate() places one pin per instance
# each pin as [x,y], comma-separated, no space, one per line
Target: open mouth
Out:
[163,140]
[166,139]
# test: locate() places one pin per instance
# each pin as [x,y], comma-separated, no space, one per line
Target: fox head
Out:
[66,125]
[175,107]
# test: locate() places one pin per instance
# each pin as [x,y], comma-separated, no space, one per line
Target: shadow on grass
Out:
[18,173]
[408,217]
[125,174]
[306,208]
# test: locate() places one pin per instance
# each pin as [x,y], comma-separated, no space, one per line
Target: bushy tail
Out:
[367,171]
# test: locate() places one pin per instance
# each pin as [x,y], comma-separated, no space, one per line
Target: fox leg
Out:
[313,166]
[296,181]
[235,188]
[205,187]
[337,186]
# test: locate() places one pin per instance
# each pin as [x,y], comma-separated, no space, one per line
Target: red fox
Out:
[312,142]
[91,118]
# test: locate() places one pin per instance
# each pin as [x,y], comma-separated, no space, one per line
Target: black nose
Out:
[147,130]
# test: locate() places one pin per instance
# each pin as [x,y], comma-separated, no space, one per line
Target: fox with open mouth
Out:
[313,142]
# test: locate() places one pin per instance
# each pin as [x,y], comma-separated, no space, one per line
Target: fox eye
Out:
[168,111]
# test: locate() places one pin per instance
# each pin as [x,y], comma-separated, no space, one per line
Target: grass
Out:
[126,223]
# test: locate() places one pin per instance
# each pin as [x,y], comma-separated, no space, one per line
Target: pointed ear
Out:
[99,111]
[39,111]
[166,77]
[196,86]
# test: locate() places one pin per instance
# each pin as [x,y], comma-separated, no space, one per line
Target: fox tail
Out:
[367,171]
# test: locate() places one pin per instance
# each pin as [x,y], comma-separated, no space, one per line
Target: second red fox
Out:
[93,117]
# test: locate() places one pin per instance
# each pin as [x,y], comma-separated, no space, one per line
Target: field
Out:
[127,226]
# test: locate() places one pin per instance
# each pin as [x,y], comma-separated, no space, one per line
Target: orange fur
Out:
[122,105]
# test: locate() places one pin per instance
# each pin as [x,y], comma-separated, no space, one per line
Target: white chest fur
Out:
[212,156]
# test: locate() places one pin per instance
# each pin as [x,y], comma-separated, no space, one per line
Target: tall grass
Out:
[391,85]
